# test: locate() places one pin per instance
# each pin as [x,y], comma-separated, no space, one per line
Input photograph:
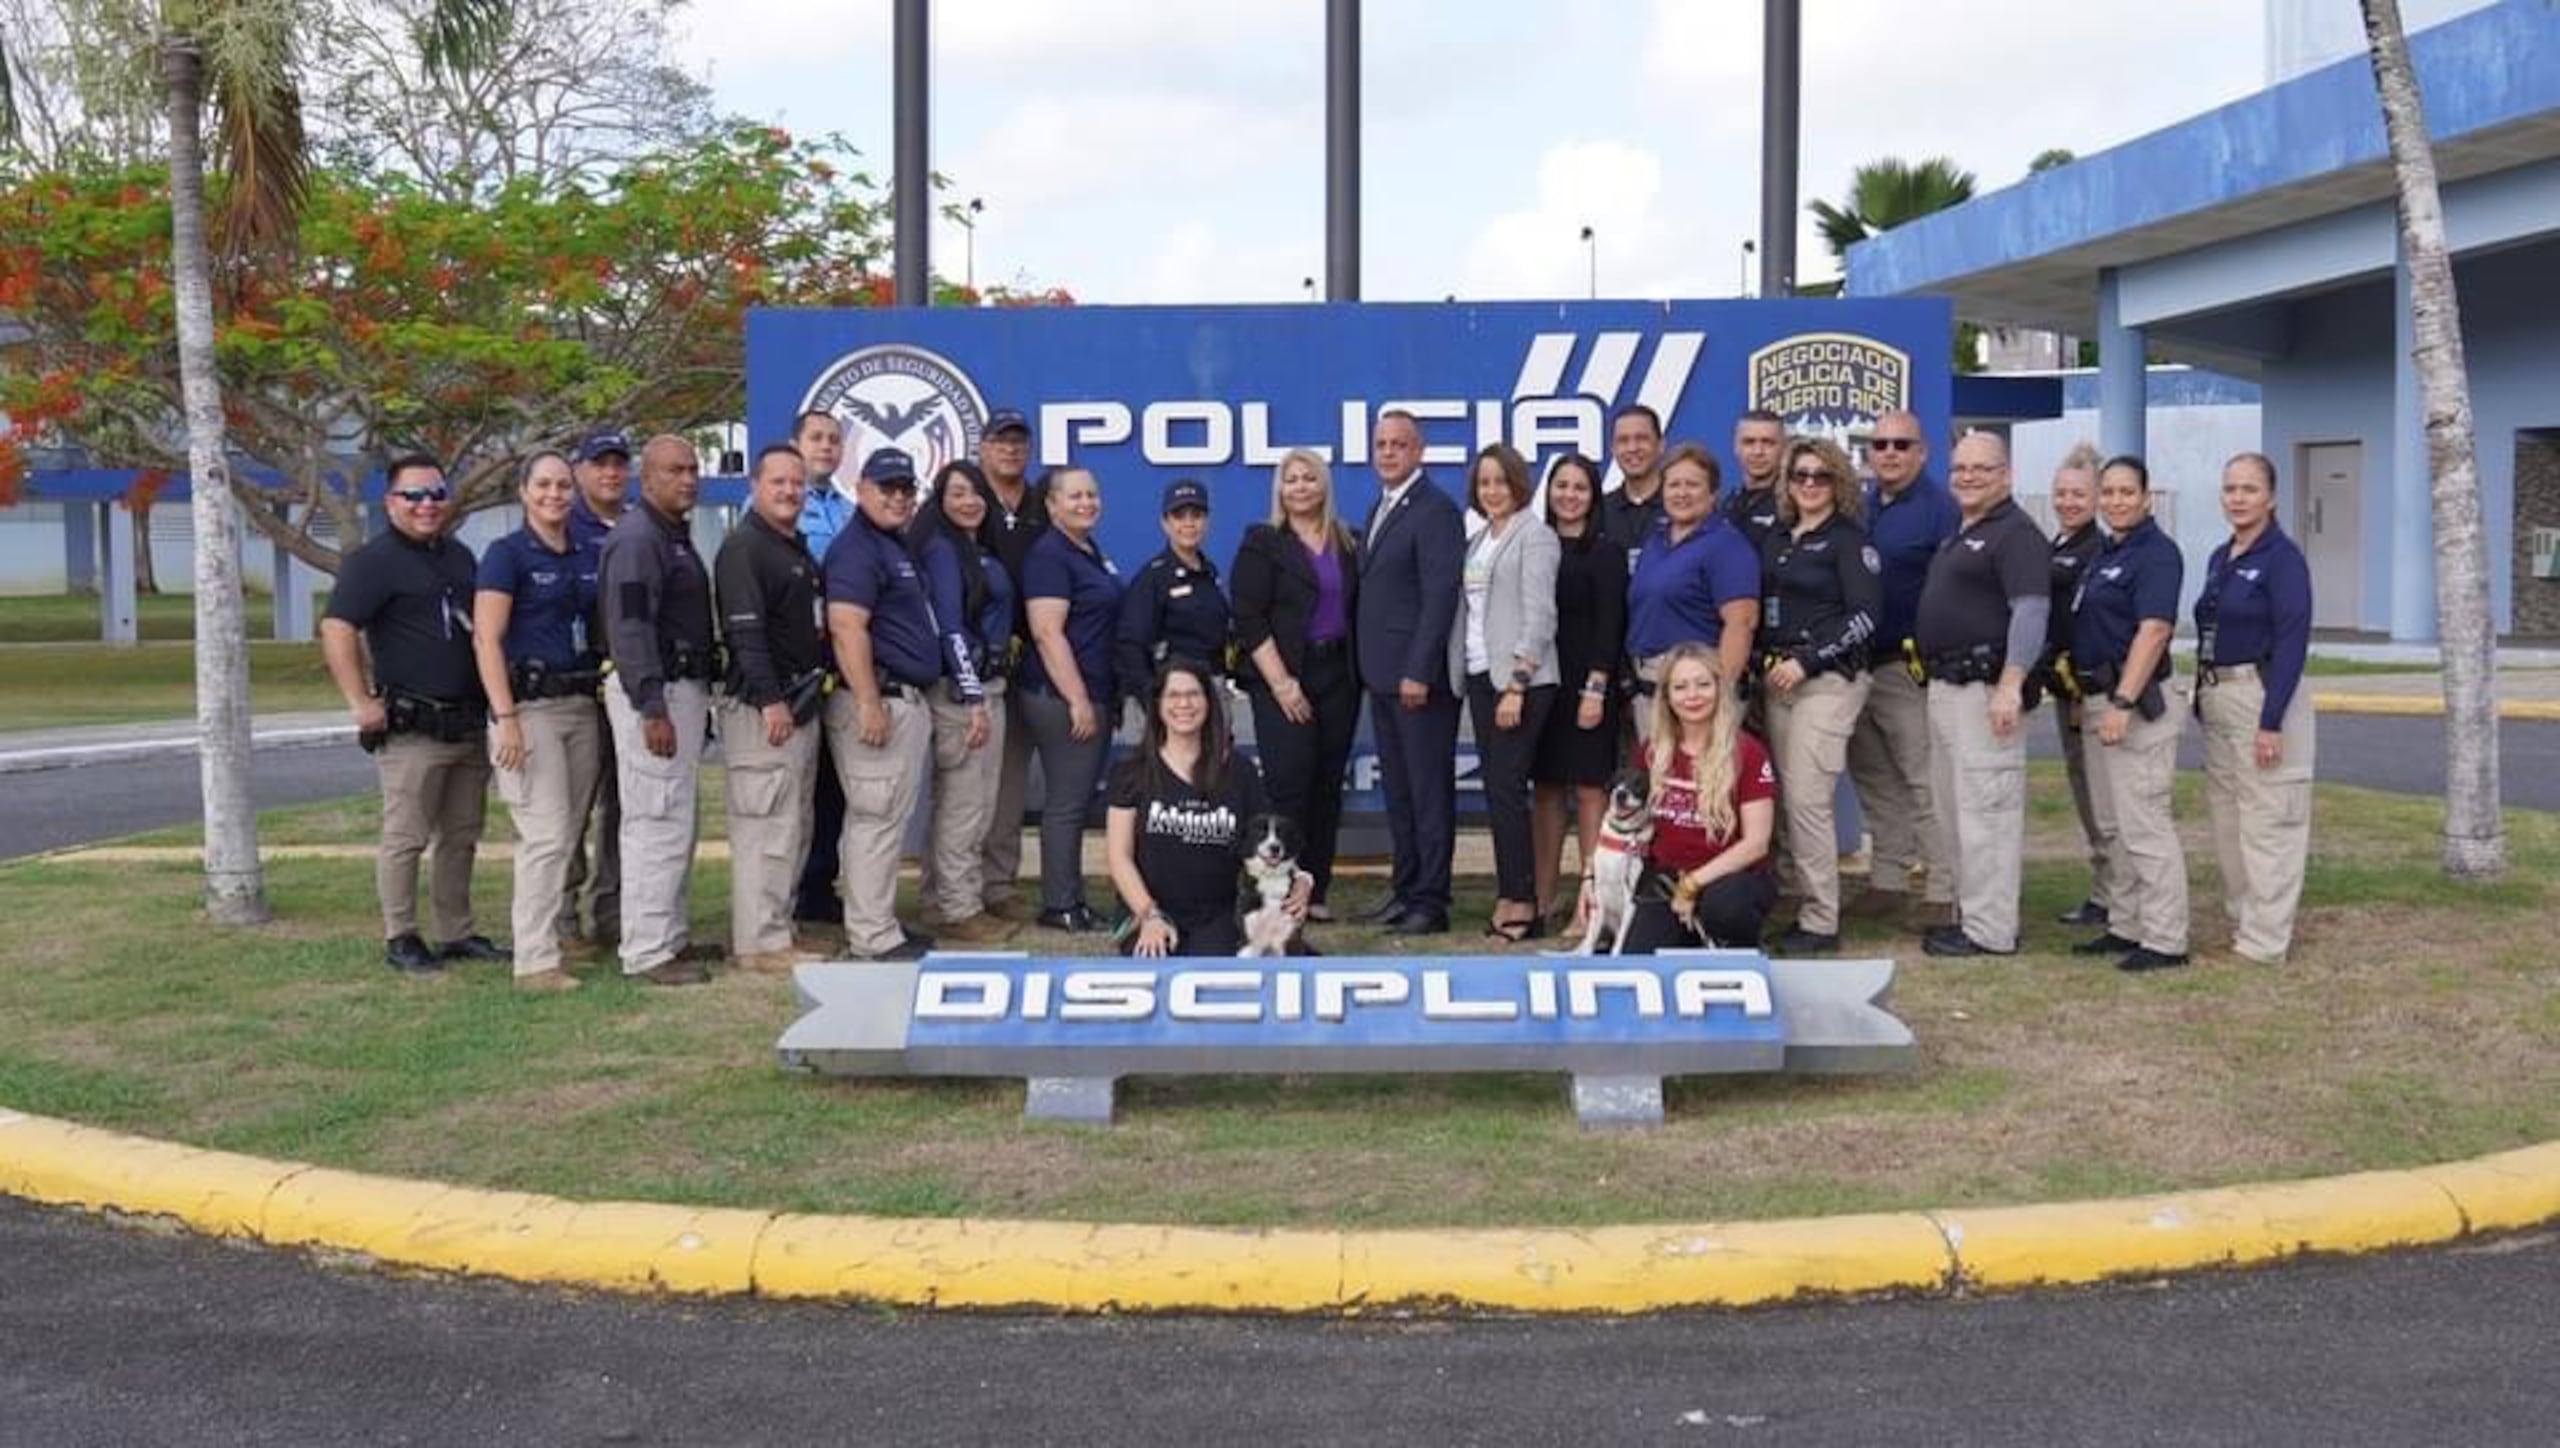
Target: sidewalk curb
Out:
[78,756]
[1074,1267]
[2426,706]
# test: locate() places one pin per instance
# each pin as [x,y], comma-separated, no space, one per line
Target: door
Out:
[2328,524]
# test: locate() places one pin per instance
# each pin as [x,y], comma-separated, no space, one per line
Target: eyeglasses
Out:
[1810,475]
[422,495]
[1893,444]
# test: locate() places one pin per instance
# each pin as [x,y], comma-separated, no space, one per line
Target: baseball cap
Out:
[1007,419]
[889,465]
[1184,493]
[602,441]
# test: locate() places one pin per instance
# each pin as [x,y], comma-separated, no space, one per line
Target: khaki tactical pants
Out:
[658,825]
[548,798]
[433,793]
[881,786]
[602,888]
[1980,783]
[1000,863]
[966,785]
[2147,884]
[1809,733]
[2097,816]
[1889,762]
[770,806]
[2261,817]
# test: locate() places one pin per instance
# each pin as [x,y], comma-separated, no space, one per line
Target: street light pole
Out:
[1591,244]
[977,208]
[1743,286]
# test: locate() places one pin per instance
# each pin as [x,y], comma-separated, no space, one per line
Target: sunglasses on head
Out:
[422,495]
[1893,444]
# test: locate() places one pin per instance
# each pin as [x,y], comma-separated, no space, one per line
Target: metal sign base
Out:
[1615,1101]
[1085,1100]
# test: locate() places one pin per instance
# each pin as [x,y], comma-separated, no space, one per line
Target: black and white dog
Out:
[1617,866]
[1271,861]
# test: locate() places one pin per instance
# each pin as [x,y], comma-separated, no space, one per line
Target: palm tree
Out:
[1884,194]
[2475,844]
[238,56]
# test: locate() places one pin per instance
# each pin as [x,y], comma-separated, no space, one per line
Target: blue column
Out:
[118,591]
[80,547]
[2409,520]
[293,583]
[2122,395]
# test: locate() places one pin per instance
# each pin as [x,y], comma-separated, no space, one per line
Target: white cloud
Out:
[1123,150]
[1616,190]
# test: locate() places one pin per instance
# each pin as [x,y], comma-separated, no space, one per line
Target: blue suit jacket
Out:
[1409,589]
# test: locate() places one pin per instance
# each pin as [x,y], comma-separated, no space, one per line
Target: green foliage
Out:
[1886,193]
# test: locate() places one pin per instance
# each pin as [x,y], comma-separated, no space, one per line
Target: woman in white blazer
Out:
[1502,658]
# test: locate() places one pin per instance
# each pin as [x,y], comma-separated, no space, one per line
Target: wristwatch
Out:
[2119,701]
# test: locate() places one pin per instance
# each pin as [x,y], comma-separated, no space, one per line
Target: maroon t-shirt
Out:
[1680,841]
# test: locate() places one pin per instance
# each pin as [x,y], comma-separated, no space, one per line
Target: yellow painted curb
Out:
[2425,706]
[641,1247]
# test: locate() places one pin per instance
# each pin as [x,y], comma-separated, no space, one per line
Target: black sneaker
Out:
[1075,920]
[408,954]
[1951,941]
[1799,941]
[2140,959]
[2087,912]
[912,947]
[476,947]
[2107,944]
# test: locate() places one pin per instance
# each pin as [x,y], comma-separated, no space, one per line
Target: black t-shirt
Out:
[1189,844]
[412,600]
[1964,605]
[2072,554]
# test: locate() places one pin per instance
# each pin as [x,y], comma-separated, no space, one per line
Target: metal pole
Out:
[1342,150]
[977,208]
[1742,287]
[1591,244]
[1782,64]
[912,179]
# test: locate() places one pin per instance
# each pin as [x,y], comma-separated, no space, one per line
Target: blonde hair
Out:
[2083,458]
[1333,525]
[1711,769]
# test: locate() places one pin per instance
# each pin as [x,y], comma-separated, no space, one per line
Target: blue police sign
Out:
[1143,395]
[1618,1025]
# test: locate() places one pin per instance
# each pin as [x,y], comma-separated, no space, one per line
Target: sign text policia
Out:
[1616,1025]
[1145,394]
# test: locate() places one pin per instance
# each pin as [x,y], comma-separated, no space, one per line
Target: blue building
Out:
[2260,240]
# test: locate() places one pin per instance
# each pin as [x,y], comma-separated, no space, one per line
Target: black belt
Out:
[1979,665]
[1327,648]
[893,689]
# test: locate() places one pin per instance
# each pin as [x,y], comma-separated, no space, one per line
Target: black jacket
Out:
[1272,589]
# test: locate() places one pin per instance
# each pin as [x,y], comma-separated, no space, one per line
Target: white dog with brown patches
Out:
[1617,865]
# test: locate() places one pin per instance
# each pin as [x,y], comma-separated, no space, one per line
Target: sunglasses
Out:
[1893,444]
[422,495]
[1810,475]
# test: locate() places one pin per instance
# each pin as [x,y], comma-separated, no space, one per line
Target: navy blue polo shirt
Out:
[1090,583]
[554,593]
[2133,578]
[1905,530]
[1678,589]
[2256,609]
[873,570]
[586,530]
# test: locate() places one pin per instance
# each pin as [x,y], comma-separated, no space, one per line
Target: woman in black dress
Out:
[1578,752]
[1179,807]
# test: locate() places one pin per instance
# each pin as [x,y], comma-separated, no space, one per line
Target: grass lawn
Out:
[2418,1021]
[62,618]
[54,686]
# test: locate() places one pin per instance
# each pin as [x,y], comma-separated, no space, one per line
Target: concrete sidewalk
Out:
[32,749]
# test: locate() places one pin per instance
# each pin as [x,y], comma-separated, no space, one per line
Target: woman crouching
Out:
[1179,807]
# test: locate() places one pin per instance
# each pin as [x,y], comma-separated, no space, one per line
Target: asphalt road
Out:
[111,1337]
[51,809]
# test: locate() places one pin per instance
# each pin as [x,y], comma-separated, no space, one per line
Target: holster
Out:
[807,695]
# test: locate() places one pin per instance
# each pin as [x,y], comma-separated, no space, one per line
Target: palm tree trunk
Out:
[235,891]
[2475,843]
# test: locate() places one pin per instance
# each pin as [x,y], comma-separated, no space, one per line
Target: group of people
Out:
[854,643]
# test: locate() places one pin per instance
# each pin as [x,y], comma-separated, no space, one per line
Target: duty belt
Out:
[1977,665]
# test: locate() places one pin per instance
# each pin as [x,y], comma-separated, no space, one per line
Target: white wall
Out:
[2187,448]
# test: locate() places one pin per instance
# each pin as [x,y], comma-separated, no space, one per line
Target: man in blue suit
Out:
[1412,551]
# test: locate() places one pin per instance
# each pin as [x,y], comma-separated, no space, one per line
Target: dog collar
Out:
[1617,845]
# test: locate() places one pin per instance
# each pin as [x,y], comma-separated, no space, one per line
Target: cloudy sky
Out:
[1172,150]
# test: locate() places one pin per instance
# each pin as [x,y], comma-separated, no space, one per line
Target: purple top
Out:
[1327,623]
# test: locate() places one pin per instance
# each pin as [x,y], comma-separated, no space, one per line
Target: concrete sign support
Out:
[1070,1028]
[293,585]
[1342,150]
[119,611]
[912,178]
[80,546]
[1781,106]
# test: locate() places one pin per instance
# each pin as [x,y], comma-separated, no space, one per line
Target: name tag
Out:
[1183,592]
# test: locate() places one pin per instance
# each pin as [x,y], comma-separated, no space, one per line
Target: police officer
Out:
[1980,627]
[1019,515]
[1908,514]
[1821,590]
[2253,637]
[602,469]
[820,439]
[2076,540]
[529,619]
[1759,449]
[1174,608]
[408,593]
[655,595]
[1630,514]
[1696,580]
[973,604]
[2121,622]
[770,600]
[880,623]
